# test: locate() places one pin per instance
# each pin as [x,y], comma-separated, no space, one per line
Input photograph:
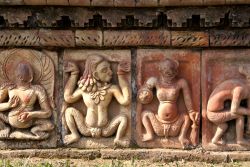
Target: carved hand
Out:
[71,67]
[25,116]
[124,66]
[13,102]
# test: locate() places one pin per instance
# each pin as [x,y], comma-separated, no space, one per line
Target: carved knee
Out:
[70,111]
[147,114]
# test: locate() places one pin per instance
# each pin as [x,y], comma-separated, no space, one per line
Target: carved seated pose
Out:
[95,89]
[168,122]
[235,90]
[22,121]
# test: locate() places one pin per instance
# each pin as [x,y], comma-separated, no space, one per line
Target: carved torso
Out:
[224,91]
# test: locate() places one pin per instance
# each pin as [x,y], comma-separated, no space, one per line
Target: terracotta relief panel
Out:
[96,111]
[168,98]
[225,100]
[27,104]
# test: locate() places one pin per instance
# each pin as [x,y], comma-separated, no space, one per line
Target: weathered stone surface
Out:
[179,2]
[19,38]
[225,38]
[189,38]
[223,68]
[102,3]
[122,3]
[61,38]
[11,2]
[35,2]
[146,3]
[58,2]
[36,70]
[88,38]
[79,2]
[136,38]
[237,1]
[97,92]
[149,76]
[214,2]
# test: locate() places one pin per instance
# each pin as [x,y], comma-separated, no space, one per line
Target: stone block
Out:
[28,82]
[79,2]
[60,38]
[19,38]
[102,3]
[161,115]
[88,38]
[11,2]
[214,2]
[146,3]
[137,38]
[223,38]
[122,3]
[35,2]
[58,2]
[225,75]
[189,38]
[237,2]
[101,101]
[180,2]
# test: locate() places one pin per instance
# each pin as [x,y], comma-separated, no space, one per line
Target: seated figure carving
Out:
[96,91]
[168,122]
[234,90]
[18,118]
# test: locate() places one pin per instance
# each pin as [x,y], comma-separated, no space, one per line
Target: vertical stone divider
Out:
[134,94]
[60,95]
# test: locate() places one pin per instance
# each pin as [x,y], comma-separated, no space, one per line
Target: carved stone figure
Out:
[168,122]
[94,87]
[20,116]
[234,90]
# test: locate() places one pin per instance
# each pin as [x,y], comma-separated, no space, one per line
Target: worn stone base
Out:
[154,155]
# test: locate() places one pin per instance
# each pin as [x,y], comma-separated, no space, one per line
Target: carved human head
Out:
[97,69]
[24,72]
[169,68]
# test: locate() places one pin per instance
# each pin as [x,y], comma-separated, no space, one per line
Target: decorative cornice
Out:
[124,3]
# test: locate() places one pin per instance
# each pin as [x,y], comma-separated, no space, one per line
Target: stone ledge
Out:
[154,155]
[120,3]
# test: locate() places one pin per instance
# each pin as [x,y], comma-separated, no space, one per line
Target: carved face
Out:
[24,72]
[103,72]
[169,68]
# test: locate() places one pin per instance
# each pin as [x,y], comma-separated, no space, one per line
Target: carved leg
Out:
[240,131]
[4,129]
[118,124]
[184,129]
[147,118]
[75,121]
[41,128]
[221,128]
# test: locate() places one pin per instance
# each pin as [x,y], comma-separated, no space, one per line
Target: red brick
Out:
[88,38]
[137,38]
[35,2]
[180,2]
[122,3]
[61,38]
[189,38]
[214,2]
[79,2]
[58,2]
[146,3]
[102,3]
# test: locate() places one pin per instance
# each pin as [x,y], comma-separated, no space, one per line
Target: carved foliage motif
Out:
[176,98]
[27,97]
[97,98]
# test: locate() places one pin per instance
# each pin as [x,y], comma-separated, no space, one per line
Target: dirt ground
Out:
[39,162]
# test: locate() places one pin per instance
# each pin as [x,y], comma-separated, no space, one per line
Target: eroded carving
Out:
[25,108]
[168,122]
[96,90]
[234,90]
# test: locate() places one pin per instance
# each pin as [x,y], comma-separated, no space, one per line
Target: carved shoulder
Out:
[151,82]
[40,92]
[183,83]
